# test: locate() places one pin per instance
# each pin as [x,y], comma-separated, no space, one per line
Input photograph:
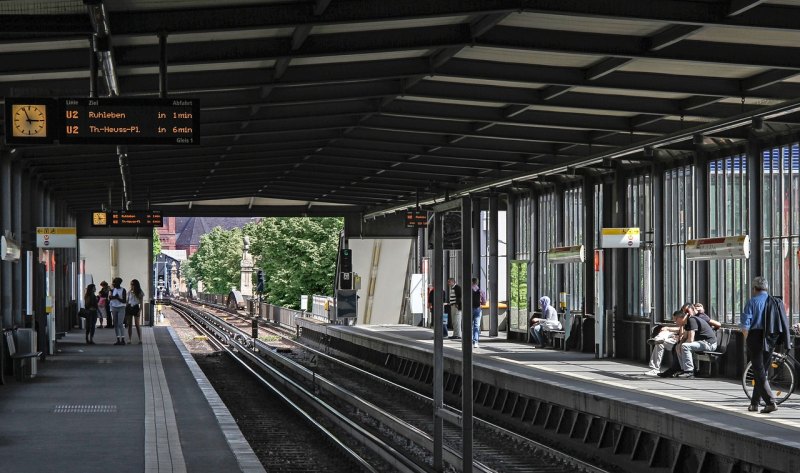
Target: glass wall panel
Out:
[728,194]
[546,239]
[781,225]
[573,235]
[679,225]
[638,214]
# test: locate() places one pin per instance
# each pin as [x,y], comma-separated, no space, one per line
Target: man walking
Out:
[454,304]
[763,329]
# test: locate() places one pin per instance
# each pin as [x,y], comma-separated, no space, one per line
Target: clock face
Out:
[99,219]
[29,120]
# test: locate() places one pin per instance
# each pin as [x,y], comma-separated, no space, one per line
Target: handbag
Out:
[83,313]
[132,310]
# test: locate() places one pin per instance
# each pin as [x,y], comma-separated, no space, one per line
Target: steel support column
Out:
[438,349]
[589,233]
[476,239]
[16,227]
[755,171]
[657,278]
[493,261]
[511,251]
[5,224]
[466,340]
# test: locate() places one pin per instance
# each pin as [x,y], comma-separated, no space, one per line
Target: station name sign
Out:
[116,121]
[127,218]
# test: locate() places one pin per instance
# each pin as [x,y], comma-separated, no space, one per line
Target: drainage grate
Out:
[84,409]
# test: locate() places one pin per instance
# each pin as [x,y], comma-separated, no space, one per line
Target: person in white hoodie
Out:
[548,321]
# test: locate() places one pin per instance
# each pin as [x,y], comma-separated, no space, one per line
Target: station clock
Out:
[29,120]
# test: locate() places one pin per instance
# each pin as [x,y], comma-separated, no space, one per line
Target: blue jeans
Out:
[119,319]
[444,324]
[476,324]
[537,337]
[685,355]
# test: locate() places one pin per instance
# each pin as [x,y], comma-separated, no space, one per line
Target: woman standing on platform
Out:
[117,302]
[90,305]
[134,309]
[102,305]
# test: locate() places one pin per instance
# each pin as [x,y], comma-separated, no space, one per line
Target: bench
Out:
[711,358]
[553,338]
[18,358]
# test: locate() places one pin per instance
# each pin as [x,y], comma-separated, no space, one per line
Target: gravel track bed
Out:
[279,437]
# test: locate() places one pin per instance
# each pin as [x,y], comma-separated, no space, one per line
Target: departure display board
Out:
[129,121]
[127,218]
[416,219]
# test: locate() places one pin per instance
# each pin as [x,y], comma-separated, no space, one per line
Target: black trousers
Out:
[91,321]
[760,359]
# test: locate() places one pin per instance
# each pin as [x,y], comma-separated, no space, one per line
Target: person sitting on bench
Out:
[548,321]
[698,336]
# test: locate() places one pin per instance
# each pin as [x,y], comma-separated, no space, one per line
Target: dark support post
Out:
[466,341]
[494,260]
[162,65]
[476,239]
[619,282]
[5,223]
[588,241]
[438,348]
[755,170]
[657,278]
[17,297]
[511,251]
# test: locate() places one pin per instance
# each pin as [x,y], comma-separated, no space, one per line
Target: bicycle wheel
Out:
[748,380]
[780,377]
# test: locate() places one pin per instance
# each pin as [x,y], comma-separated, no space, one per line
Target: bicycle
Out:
[780,376]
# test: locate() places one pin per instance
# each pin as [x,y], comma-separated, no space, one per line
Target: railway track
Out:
[400,416]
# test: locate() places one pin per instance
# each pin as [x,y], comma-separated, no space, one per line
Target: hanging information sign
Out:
[620,238]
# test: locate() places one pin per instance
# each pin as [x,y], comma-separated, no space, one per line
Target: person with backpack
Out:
[117,301]
[765,327]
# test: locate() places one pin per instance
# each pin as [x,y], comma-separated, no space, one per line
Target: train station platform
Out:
[134,408]
[605,406]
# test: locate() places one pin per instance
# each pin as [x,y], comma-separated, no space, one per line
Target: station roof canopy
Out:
[352,105]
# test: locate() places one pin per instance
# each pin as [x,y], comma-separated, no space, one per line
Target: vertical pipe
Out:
[438,349]
[494,260]
[93,66]
[162,65]
[466,340]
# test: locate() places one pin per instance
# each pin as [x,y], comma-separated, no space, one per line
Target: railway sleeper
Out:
[593,437]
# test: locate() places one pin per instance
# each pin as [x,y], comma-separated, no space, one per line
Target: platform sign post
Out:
[599,307]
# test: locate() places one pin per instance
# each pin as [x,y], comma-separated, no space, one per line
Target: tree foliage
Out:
[156,245]
[217,260]
[297,255]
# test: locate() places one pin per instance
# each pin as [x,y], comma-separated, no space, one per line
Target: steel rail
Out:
[374,444]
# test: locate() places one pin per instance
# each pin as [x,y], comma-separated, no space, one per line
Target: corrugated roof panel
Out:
[205,36]
[451,101]
[210,66]
[388,25]
[358,57]
[630,93]
[687,68]
[482,53]
[498,83]
[582,24]
[764,37]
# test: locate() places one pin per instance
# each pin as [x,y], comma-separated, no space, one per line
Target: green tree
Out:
[297,254]
[156,245]
[217,260]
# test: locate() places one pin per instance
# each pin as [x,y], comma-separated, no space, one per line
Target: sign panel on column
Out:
[56,237]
